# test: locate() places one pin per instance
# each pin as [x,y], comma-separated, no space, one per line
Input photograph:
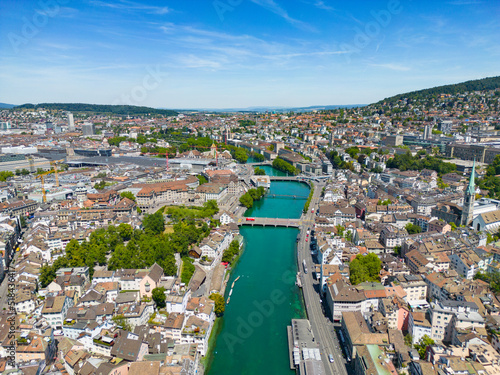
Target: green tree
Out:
[259,171]
[159,297]
[154,223]
[220,304]
[492,278]
[47,275]
[4,175]
[340,230]
[422,345]
[413,228]
[409,340]
[125,231]
[285,166]
[232,250]
[365,268]
[122,322]
[397,250]
[100,185]
[202,179]
[246,200]
[22,220]
[240,155]
[385,202]
[129,195]
[352,151]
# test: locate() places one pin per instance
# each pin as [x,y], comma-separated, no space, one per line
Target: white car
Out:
[330,357]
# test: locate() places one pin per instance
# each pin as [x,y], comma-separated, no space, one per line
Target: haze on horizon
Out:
[240,53]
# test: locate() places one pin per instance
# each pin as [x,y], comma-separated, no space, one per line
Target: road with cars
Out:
[323,328]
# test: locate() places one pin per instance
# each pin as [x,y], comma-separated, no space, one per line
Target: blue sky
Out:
[240,53]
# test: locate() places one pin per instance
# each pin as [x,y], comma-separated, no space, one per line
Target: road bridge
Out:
[269,222]
[285,196]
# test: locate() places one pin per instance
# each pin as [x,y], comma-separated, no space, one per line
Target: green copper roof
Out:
[471,188]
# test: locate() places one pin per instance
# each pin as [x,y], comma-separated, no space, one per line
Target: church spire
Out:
[471,188]
[469,197]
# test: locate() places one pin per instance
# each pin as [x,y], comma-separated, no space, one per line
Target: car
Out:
[306,239]
[330,357]
[250,219]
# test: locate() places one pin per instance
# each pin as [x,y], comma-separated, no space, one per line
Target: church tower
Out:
[469,198]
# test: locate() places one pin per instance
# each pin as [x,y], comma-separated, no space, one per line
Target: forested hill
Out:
[490,83]
[100,108]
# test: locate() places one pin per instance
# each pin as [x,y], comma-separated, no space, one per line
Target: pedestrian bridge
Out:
[286,196]
[269,222]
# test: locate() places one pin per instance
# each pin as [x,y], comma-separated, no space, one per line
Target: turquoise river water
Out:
[251,337]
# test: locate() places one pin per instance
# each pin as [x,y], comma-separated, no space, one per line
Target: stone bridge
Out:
[269,222]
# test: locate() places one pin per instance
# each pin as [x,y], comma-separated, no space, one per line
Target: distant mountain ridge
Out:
[6,106]
[274,109]
[100,108]
[489,83]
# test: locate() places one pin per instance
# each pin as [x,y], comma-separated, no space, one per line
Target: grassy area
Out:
[208,209]
[168,229]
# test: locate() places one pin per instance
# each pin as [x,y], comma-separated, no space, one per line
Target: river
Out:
[252,335]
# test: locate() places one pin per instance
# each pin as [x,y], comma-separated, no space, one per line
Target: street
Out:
[323,328]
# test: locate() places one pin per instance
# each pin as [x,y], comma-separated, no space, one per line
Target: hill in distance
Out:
[6,106]
[490,83]
[99,108]
[275,109]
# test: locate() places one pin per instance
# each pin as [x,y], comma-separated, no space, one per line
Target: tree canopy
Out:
[231,251]
[220,304]
[4,175]
[154,223]
[422,345]
[159,297]
[406,161]
[365,268]
[285,166]
[252,195]
[492,278]
[129,248]
[490,181]
[259,171]
[490,83]
[413,228]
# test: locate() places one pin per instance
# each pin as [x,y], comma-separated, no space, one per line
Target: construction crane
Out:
[52,163]
[54,166]
[40,176]
[42,179]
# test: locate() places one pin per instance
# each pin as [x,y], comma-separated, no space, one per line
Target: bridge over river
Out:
[269,222]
